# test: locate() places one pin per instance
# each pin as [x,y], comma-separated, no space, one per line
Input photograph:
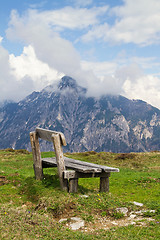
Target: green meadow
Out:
[31,209]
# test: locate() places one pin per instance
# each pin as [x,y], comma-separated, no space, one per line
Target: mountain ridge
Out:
[109,123]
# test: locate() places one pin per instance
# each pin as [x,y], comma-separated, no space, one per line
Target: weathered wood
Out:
[80,165]
[38,170]
[74,166]
[60,160]
[104,184]
[68,174]
[73,185]
[92,165]
[47,135]
[49,162]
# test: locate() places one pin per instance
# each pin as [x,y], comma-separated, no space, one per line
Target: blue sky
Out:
[108,46]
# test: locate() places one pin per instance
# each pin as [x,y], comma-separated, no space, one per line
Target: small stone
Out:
[144,211]
[114,223]
[133,216]
[138,204]
[76,219]
[77,224]
[133,223]
[62,220]
[123,210]
[152,211]
[84,196]
[139,212]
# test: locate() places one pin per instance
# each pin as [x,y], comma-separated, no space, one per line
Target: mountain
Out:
[110,123]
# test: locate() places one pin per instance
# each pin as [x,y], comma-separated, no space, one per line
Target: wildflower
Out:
[5,213]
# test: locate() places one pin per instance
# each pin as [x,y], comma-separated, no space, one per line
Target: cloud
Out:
[49,47]
[27,64]
[127,80]
[21,75]
[57,52]
[100,69]
[11,89]
[137,21]
[64,18]
[96,32]
[47,55]
[146,88]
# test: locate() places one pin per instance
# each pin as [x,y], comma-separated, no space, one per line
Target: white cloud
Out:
[97,32]
[146,88]
[67,17]
[132,72]
[21,75]
[11,89]
[137,21]
[49,47]
[100,69]
[27,64]
[48,55]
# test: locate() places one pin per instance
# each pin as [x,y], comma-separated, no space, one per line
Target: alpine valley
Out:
[109,123]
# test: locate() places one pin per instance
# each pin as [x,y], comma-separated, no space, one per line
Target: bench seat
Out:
[77,165]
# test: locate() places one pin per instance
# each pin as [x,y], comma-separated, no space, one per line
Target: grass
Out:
[31,209]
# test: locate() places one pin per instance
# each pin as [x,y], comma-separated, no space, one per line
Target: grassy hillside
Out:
[31,209]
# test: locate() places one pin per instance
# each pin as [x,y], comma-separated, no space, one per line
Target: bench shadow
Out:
[29,190]
[84,190]
[51,181]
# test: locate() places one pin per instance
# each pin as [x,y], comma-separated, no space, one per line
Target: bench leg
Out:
[38,170]
[73,185]
[65,185]
[104,183]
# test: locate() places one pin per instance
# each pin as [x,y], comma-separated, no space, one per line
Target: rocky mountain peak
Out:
[67,82]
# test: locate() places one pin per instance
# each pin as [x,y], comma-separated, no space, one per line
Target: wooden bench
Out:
[69,170]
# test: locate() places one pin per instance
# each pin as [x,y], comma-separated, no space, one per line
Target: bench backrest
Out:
[58,140]
[48,135]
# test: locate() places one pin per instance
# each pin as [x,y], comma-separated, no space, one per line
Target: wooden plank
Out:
[69,174]
[81,168]
[49,162]
[47,135]
[74,165]
[60,161]
[93,165]
[38,170]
